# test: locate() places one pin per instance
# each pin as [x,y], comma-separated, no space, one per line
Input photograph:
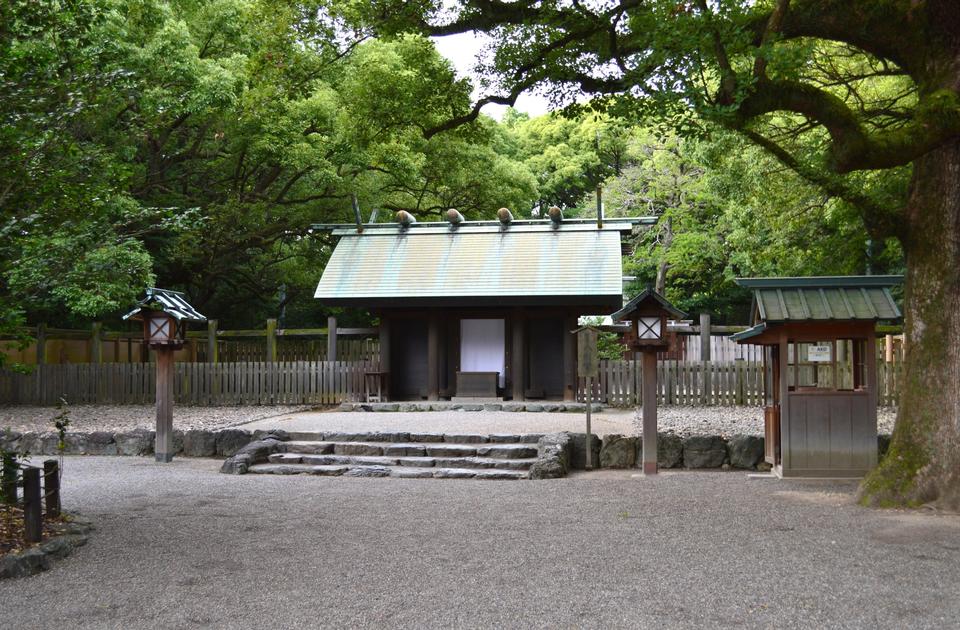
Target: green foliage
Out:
[194,144]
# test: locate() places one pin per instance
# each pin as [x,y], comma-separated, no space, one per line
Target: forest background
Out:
[192,144]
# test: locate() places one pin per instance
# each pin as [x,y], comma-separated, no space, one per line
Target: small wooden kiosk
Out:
[820,359]
[647,314]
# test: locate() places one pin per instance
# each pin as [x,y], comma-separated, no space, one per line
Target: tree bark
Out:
[923,462]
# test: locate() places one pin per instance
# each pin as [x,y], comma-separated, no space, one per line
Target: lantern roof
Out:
[646,297]
[174,303]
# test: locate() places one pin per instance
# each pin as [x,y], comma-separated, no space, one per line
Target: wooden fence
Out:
[333,382]
[706,383]
[251,383]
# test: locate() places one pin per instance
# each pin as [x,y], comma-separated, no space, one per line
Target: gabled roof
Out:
[645,295]
[475,264]
[171,302]
[825,298]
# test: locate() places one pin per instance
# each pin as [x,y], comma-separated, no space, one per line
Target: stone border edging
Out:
[446,405]
[612,451]
[38,558]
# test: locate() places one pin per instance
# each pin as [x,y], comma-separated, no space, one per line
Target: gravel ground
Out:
[181,546]
[682,420]
[127,417]
[724,421]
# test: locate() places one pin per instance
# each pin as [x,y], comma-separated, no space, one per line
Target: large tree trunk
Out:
[923,462]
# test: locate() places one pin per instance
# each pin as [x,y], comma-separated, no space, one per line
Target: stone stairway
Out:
[404,455]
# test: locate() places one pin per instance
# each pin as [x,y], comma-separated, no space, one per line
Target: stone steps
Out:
[413,449]
[413,462]
[405,455]
[407,472]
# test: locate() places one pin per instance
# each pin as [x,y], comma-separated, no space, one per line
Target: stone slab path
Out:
[183,546]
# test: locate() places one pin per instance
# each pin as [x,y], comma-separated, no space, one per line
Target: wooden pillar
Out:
[164,441]
[871,360]
[96,342]
[649,459]
[783,373]
[569,358]
[887,348]
[271,340]
[385,354]
[433,357]
[213,350]
[518,367]
[331,338]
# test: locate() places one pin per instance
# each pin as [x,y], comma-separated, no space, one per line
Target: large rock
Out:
[617,451]
[579,453]
[237,465]
[137,442]
[547,469]
[704,451]
[669,450]
[229,441]
[746,451]
[10,440]
[199,443]
[557,446]
[100,443]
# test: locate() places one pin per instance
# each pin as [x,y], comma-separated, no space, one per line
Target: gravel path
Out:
[682,420]
[127,417]
[181,546]
[724,421]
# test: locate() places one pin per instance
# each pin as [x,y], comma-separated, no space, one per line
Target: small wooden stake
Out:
[51,487]
[32,510]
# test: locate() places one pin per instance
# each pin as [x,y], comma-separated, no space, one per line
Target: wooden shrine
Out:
[819,335]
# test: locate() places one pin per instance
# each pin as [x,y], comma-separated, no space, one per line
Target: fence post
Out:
[212,349]
[51,487]
[41,344]
[96,342]
[8,485]
[705,336]
[32,510]
[331,338]
[271,340]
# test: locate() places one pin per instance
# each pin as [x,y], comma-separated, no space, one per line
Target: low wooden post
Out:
[271,340]
[51,487]
[649,411]
[331,338]
[32,509]
[888,348]
[164,440]
[8,481]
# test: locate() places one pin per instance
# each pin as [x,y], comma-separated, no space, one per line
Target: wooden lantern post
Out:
[165,315]
[647,314]
[588,366]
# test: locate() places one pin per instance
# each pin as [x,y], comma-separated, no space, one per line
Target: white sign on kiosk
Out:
[819,353]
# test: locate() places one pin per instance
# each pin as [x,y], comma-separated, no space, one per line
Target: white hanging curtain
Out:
[482,346]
